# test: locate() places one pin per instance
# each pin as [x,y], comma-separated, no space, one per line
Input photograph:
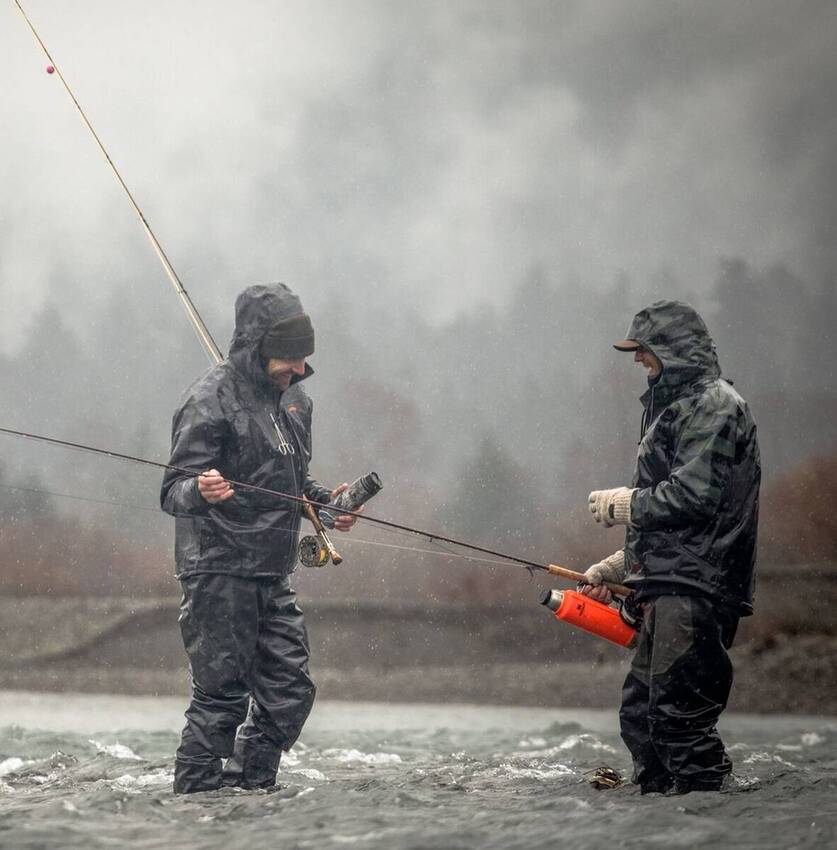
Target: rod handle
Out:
[572,575]
[335,556]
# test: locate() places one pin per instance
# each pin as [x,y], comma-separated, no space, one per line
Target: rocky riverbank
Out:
[785,657]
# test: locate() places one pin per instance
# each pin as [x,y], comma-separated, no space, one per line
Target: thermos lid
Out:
[552,599]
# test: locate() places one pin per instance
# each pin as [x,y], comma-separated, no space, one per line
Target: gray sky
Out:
[426,154]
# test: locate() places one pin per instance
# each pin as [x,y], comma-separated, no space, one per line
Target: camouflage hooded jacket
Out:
[235,420]
[694,514]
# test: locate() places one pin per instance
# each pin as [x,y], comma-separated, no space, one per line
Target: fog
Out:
[472,199]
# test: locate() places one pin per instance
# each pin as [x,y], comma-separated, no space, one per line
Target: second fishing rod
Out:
[322,507]
[617,625]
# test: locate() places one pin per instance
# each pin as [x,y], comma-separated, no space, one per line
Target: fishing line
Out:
[203,334]
[443,553]
[83,498]
[440,549]
[430,536]
[354,539]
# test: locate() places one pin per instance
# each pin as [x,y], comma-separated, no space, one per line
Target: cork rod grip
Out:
[572,575]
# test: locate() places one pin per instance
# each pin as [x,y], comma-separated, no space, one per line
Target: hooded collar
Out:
[677,335]
[257,309]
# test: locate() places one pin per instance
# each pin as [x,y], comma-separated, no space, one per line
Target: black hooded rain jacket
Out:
[695,510]
[235,420]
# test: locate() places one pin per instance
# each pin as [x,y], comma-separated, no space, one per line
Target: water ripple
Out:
[485,786]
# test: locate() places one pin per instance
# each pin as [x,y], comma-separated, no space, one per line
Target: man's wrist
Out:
[620,507]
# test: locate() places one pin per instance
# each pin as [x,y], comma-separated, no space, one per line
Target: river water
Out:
[95,772]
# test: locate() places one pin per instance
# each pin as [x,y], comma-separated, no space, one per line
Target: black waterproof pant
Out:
[248,653]
[678,686]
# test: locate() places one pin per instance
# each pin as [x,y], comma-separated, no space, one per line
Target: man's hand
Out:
[611,569]
[214,487]
[344,522]
[611,507]
[597,592]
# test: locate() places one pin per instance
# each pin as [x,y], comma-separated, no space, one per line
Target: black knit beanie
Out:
[289,339]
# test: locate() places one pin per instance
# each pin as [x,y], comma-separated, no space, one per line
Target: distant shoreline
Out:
[382,652]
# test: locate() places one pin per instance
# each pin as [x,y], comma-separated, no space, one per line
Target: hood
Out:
[675,332]
[257,309]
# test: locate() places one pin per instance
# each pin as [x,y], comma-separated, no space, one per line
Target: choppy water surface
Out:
[401,777]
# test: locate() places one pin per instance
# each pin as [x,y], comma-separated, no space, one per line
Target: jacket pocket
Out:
[703,570]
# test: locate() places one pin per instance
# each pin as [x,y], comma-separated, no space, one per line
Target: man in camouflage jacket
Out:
[690,544]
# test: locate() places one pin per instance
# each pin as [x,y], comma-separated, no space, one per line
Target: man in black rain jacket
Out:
[247,419]
[690,545]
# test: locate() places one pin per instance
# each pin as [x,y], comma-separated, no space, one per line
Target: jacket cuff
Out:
[315,492]
[616,560]
[621,508]
[184,499]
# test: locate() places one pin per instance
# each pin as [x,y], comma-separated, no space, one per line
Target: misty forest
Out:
[472,208]
[491,427]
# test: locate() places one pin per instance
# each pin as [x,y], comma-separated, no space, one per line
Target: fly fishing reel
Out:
[311,552]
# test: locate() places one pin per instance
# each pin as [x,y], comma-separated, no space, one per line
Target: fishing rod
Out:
[353,539]
[552,569]
[203,334]
[319,546]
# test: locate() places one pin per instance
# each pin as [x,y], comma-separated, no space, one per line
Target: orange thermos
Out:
[591,615]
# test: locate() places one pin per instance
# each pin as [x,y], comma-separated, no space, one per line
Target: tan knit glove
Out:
[611,507]
[611,569]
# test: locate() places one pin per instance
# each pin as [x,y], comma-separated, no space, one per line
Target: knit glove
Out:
[611,507]
[611,569]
